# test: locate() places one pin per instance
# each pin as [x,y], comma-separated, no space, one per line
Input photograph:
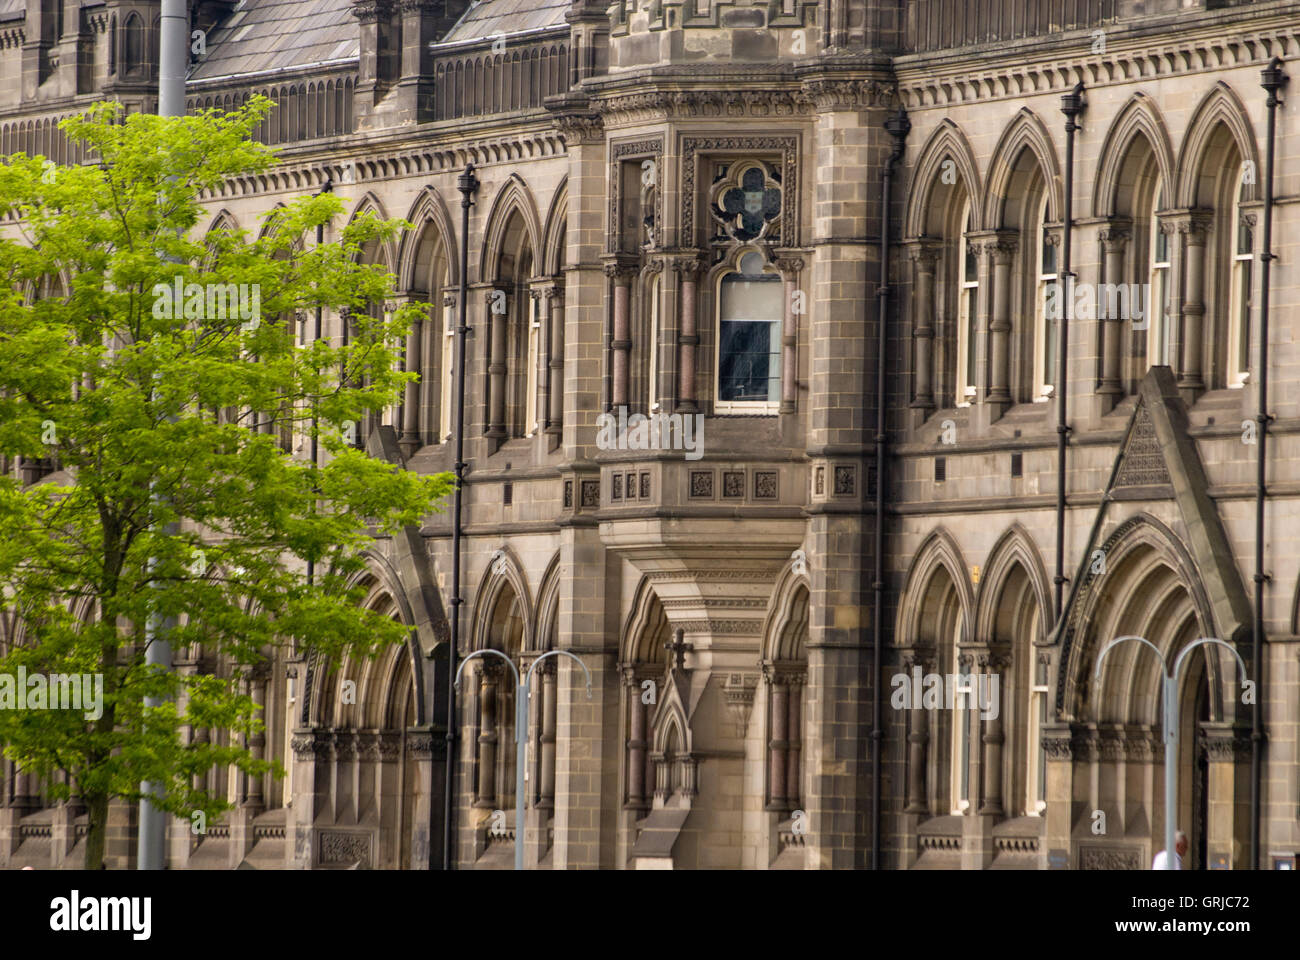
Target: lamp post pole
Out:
[1169,716]
[523,687]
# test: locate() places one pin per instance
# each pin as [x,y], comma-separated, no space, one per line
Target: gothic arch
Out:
[385,252]
[1139,119]
[502,571]
[1014,548]
[224,220]
[1221,106]
[551,254]
[938,551]
[1150,588]
[548,606]
[645,623]
[1025,132]
[787,609]
[947,142]
[513,197]
[429,215]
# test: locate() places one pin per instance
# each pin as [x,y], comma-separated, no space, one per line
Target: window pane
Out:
[1243,319]
[970,337]
[1049,256]
[749,349]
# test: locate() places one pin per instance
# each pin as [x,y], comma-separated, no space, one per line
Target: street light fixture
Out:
[1169,715]
[522,695]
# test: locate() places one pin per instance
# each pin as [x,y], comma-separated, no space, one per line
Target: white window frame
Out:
[967,304]
[1159,322]
[652,401]
[1036,766]
[759,407]
[962,735]
[448,372]
[1240,297]
[1044,390]
[530,376]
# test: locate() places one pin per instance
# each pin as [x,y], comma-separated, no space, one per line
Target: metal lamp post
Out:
[1169,717]
[522,696]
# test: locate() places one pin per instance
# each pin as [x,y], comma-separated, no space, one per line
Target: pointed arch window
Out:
[967,299]
[1239,308]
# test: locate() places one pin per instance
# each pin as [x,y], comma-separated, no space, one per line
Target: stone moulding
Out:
[928,86]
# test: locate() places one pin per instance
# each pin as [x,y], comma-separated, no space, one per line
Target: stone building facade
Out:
[679,216]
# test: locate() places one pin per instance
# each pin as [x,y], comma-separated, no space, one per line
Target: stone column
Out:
[790,268]
[256,743]
[546,776]
[555,362]
[621,270]
[1114,239]
[924,254]
[918,740]
[688,341]
[1002,250]
[779,701]
[497,368]
[992,662]
[485,795]
[637,794]
[1194,229]
[794,740]
[411,439]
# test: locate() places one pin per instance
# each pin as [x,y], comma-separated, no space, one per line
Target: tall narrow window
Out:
[1243,238]
[1051,302]
[445,404]
[1036,782]
[652,399]
[530,385]
[1158,305]
[963,703]
[967,296]
[749,338]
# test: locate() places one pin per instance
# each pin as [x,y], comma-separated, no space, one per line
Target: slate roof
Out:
[487,17]
[265,35]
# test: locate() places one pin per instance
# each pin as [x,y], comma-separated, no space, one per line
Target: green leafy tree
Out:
[174,509]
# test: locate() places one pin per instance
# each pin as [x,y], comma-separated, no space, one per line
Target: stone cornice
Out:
[932,83]
[794,99]
[376,162]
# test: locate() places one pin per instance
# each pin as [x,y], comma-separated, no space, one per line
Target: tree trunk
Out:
[97,808]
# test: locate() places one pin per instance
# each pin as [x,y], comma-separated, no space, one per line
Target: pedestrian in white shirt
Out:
[1180,848]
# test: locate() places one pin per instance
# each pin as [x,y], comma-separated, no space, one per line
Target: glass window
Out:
[530,386]
[967,299]
[1036,795]
[749,336]
[1158,304]
[1050,304]
[1240,306]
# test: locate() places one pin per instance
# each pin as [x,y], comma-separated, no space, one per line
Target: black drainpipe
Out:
[1072,105]
[1272,80]
[467,184]
[898,127]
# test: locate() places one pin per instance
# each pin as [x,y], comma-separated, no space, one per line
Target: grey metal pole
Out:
[1169,716]
[1170,697]
[173,59]
[521,727]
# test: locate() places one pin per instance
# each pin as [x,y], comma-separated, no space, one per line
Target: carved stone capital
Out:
[826,93]
[620,268]
[924,252]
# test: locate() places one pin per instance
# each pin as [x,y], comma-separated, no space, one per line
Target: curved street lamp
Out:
[1169,715]
[522,696]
